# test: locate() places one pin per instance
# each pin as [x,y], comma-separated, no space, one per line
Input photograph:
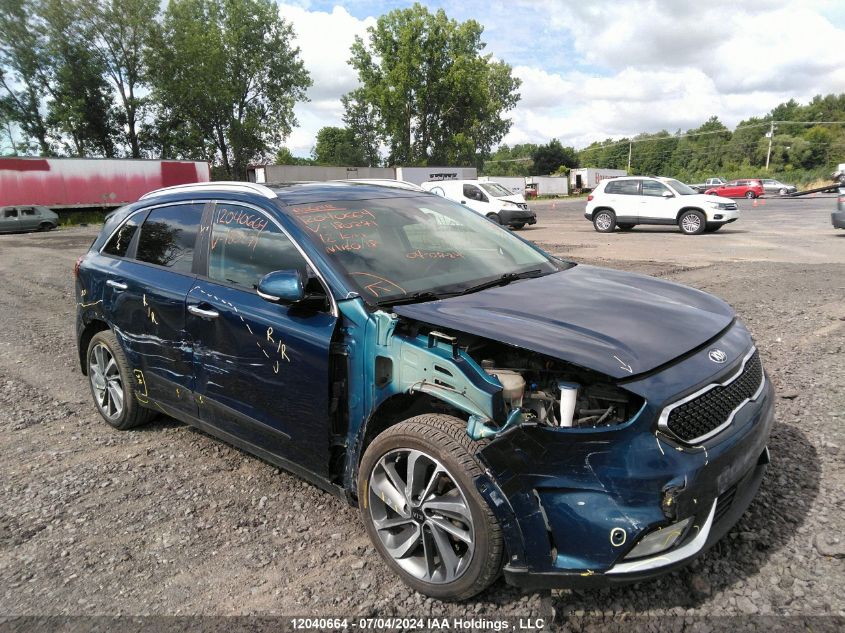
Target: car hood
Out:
[617,323]
[516,198]
[703,198]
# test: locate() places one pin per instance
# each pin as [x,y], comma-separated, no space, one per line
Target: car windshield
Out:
[495,189]
[395,248]
[680,187]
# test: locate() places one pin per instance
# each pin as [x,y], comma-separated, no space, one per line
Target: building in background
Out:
[305,173]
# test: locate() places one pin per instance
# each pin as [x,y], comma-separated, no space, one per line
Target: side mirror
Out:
[668,194]
[282,286]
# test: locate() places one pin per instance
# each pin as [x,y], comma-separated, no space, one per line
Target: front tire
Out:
[625,227]
[692,222]
[521,225]
[712,227]
[46,226]
[494,217]
[110,379]
[750,195]
[783,192]
[604,221]
[423,512]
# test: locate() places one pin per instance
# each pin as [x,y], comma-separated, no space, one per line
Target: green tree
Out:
[360,118]
[435,97]
[550,157]
[227,72]
[511,161]
[336,146]
[24,70]
[80,110]
[119,31]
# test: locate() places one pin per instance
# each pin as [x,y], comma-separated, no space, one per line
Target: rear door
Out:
[149,271]
[262,368]
[9,220]
[624,199]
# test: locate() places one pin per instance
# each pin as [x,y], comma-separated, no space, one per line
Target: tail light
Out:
[590,198]
[77,265]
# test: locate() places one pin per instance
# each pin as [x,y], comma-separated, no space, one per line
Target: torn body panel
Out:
[585,498]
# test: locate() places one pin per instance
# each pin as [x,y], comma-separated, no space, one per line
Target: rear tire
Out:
[604,221]
[112,383]
[521,225]
[692,222]
[432,512]
[750,195]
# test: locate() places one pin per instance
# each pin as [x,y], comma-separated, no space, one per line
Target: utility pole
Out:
[771,135]
[630,144]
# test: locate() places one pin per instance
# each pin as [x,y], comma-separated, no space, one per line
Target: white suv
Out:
[629,201]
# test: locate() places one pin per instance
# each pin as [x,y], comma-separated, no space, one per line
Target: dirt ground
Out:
[166,520]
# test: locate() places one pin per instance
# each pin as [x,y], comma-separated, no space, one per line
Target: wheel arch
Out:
[93,327]
[685,209]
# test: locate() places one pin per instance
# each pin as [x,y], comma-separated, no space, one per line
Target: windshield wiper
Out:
[412,298]
[502,281]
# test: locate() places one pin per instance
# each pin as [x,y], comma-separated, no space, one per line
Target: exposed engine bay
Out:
[548,391]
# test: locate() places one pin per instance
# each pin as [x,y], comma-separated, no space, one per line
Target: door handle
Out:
[203,313]
[117,285]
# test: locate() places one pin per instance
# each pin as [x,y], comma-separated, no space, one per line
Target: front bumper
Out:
[512,217]
[722,215]
[717,522]
[837,218]
[560,495]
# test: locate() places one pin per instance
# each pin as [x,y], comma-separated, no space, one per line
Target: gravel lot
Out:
[166,520]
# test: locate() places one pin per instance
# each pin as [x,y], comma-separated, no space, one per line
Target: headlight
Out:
[718,205]
[660,540]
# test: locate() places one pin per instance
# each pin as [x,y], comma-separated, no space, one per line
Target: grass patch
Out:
[73,217]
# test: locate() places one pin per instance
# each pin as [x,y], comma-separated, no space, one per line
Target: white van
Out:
[486,198]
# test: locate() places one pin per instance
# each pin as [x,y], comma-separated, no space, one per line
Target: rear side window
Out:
[10,213]
[626,187]
[245,246]
[168,236]
[119,242]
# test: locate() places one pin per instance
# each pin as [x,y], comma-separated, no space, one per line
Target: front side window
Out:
[245,246]
[653,188]
[168,236]
[29,212]
[474,193]
[394,248]
[119,242]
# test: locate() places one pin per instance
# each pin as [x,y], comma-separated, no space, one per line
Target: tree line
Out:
[218,80]
[807,142]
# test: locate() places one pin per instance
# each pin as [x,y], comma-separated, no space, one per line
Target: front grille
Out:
[700,417]
[522,205]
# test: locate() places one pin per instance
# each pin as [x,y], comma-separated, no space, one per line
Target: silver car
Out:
[27,218]
[772,186]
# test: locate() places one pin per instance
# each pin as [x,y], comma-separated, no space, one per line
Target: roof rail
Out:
[221,185]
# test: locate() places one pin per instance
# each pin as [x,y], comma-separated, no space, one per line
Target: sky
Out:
[597,69]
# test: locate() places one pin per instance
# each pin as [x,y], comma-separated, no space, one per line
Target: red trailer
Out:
[61,183]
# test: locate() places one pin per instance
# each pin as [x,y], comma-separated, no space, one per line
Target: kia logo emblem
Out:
[718,356]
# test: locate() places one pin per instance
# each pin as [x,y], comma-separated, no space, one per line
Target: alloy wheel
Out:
[106,381]
[691,223]
[603,221]
[421,516]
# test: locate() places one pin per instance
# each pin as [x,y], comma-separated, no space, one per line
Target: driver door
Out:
[262,369]
[655,205]
[475,199]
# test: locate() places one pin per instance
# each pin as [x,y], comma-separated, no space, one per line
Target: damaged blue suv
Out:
[489,408]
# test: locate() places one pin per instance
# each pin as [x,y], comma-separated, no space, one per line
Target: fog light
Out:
[660,540]
[718,217]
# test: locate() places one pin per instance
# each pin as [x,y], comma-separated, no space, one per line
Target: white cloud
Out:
[608,69]
[324,40]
